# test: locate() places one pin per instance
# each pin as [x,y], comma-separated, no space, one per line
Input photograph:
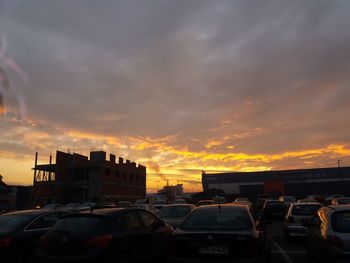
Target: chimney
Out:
[112,158]
[121,160]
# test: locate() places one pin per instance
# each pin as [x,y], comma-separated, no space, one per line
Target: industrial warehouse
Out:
[76,178]
[298,183]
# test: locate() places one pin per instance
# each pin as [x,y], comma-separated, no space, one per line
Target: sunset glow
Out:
[213,87]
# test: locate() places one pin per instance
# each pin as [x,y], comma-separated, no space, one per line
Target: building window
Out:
[108,172]
[137,177]
[131,177]
[125,176]
[117,174]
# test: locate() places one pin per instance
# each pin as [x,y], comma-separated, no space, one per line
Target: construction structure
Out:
[171,192]
[299,183]
[77,178]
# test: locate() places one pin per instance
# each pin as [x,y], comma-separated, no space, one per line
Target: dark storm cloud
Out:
[156,68]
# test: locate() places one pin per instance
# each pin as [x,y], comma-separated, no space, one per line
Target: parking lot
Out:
[281,250]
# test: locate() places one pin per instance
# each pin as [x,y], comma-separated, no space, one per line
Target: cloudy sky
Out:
[179,86]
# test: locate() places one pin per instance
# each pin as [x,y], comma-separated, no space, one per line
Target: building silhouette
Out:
[77,178]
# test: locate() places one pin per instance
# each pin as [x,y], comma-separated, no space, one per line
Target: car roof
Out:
[306,203]
[109,212]
[33,212]
[171,205]
[339,207]
[224,206]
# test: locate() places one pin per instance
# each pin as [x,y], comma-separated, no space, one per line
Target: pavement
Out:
[283,251]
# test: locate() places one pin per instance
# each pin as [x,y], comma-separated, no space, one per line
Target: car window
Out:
[46,221]
[218,219]
[131,220]
[10,222]
[305,210]
[341,221]
[174,211]
[147,218]
[78,224]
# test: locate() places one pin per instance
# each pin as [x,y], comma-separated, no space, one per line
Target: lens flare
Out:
[11,77]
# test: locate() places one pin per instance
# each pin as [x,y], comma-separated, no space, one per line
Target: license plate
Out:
[214,250]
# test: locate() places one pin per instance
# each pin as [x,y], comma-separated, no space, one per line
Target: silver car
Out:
[328,235]
[297,214]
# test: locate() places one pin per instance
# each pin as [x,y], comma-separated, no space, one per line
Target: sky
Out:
[179,86]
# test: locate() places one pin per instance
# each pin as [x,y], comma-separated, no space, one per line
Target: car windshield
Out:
[289,199]
[228,219]
[274,203]
[305,210]
[11,222]
[174,211]
[341,221]
[78,224]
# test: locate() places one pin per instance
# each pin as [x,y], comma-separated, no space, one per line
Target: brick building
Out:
[77,178]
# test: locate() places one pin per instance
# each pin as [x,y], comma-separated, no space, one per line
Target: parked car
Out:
[307,200]
[148,207]
[205,202]
[295,218]
[340,201]
[287,199]
[75,207]
[217,233]
[175,214]
[243,201]
[262,198]
[329,199]
[273,209]
[180,201]
[53,206]
[20,232]
[219,200]
[328,235]
[122,204]
[112,235]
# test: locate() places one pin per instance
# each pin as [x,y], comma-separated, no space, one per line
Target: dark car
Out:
[112,235]
[273,209]
[20,231]
[175,214]
[220,233]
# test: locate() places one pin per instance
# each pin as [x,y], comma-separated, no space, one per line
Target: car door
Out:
[158,238]
[133,236]
[314,237]
[32,232]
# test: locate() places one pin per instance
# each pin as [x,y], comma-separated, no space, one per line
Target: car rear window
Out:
[174,211]
[305,210]
[341,222]
[217,219]
[11,222]
[274,204]
[78,224]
